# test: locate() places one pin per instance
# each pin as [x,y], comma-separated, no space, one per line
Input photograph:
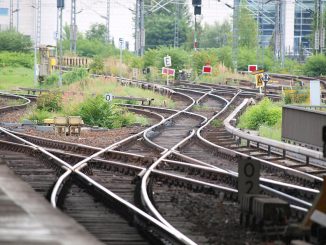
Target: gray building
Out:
[297,24]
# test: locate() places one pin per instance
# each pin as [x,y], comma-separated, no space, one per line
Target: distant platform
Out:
[28,218]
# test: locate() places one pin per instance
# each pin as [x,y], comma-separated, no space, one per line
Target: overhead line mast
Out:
[73,27]
[236,4]
[176,24]
[107,36]
[11,17]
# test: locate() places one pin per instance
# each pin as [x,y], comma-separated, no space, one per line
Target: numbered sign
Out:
[248,180]
[108,97]
[167,61]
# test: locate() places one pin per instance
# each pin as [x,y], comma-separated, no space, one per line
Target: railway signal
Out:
[266,79]
[207,69]
[252,68]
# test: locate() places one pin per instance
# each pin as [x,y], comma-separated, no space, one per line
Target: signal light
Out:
[196,2]
[197,10]
[60,4]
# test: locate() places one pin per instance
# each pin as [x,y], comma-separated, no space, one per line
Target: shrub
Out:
[264,113]
[14,41]
[15,59]
[49,102]
[97,111]
[39,116]
[97,66]
[296,96]
[315,66]
[51,79]
[204,57]
[93,48]
[75,75]
[216,123]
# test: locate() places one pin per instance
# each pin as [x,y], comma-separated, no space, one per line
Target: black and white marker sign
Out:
[248,180]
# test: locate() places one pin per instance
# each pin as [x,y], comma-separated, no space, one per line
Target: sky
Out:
[121,23]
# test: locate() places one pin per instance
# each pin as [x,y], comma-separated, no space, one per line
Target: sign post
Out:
[248,179]
[266,78]
[315,92]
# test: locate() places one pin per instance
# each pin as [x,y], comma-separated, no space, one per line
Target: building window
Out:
[4,11]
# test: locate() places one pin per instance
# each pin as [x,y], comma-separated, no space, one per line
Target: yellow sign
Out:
[257,72]
[259,80]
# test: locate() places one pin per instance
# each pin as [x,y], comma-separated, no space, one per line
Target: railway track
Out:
[165,170]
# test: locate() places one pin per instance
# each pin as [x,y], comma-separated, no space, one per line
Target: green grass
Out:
[200,108]
[15,77]
[265,117]
[101,86]
[216,123]
[271,132]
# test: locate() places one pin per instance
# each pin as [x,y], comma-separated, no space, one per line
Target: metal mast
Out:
[176,24]
[73,27]
[137,31]
[37,41]
[142,28]
[107,36]
[60,8]
[11,19]
[320,30]
[17,10]
[139,28]
[279,32]
[236,4]
[38,22]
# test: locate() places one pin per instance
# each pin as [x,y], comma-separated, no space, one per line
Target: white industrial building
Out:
[22,17]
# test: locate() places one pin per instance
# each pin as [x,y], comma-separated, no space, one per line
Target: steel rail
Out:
[239,154]
[38,148]
[27,101]
[138,211]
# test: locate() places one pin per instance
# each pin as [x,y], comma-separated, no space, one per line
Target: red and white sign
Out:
[168,71]
[252,68]
[207,69]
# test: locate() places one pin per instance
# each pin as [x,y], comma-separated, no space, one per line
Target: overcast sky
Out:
[121,24]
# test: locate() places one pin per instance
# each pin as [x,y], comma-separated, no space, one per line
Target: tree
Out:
[14,41]
[97,32]
[66,32]
[315,66]
[216,35]
[159,25]
[248,32]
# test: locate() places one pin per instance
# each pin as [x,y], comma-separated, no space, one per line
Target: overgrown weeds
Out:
[264,113]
